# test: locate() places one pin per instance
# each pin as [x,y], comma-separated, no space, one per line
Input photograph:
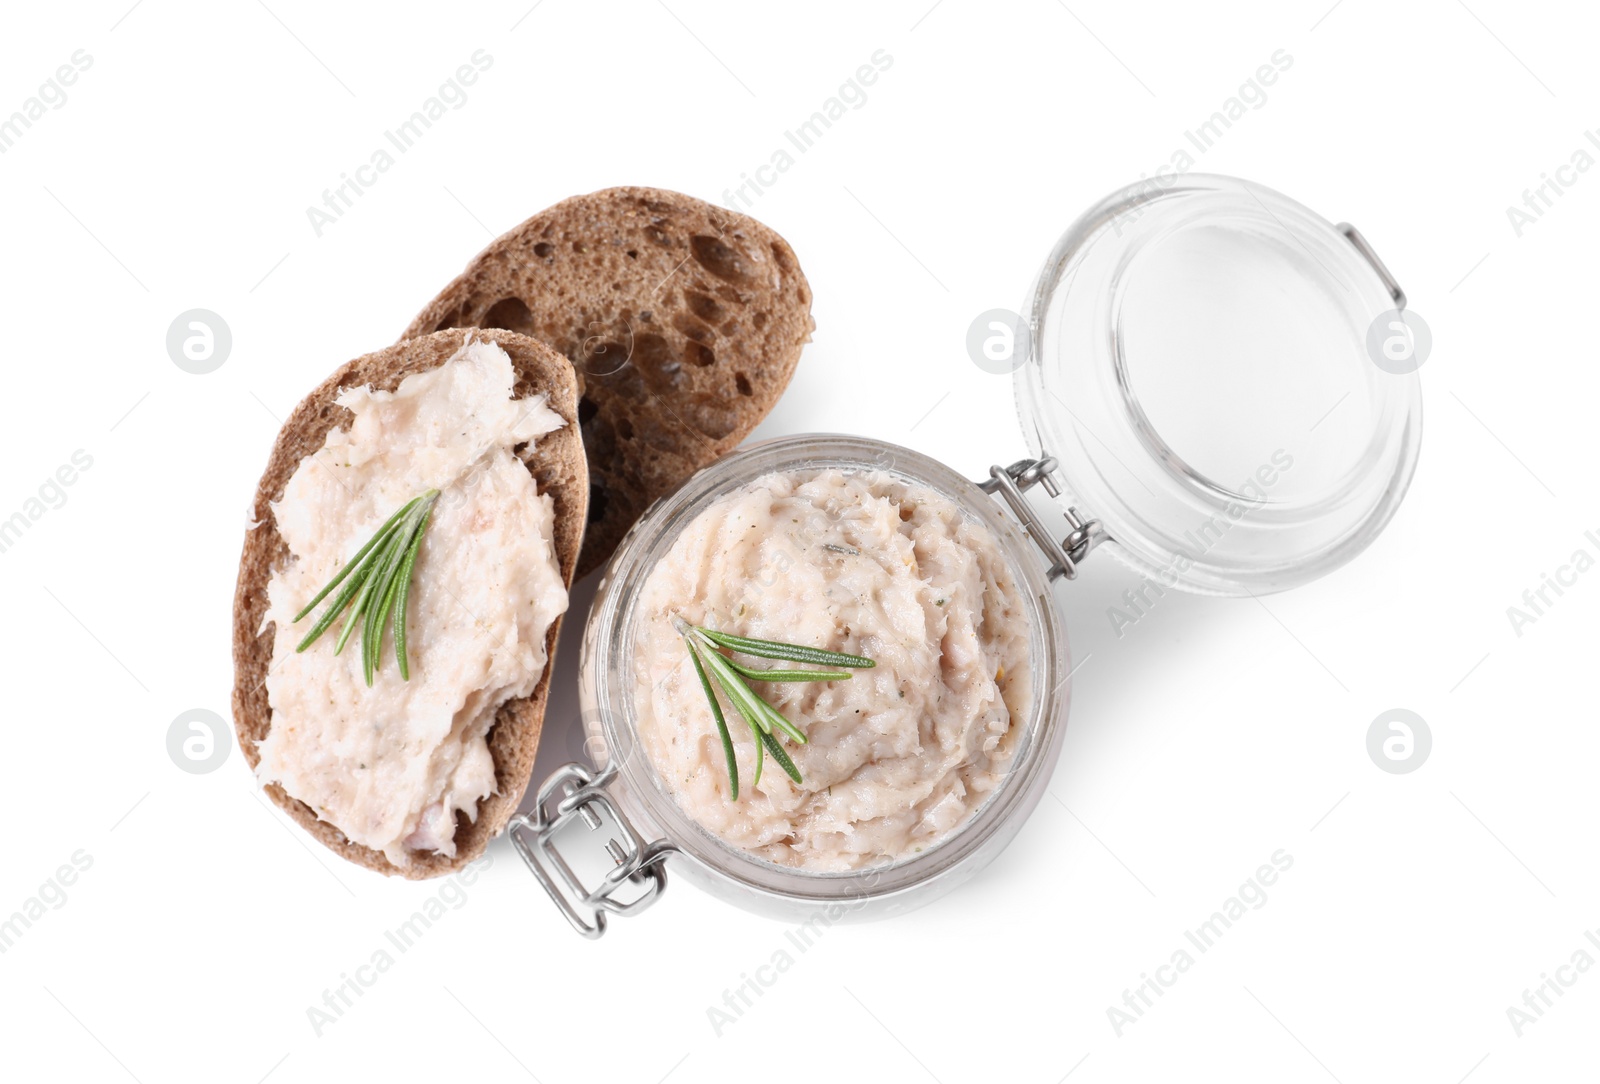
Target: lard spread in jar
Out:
[859,562]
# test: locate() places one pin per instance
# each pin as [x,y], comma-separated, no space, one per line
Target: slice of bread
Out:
[685,320]
[559,470]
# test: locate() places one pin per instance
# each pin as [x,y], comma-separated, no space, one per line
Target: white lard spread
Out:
[391,765]
[863,563]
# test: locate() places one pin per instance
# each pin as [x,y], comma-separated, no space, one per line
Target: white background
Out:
[1419,907]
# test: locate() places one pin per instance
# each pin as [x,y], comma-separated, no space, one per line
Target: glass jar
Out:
[1196,384]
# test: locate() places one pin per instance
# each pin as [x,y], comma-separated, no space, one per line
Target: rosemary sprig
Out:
[761,717]
[772,649]
[379,580]
[716,713]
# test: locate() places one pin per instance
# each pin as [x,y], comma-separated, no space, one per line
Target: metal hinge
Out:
[571,793]
[1011,482]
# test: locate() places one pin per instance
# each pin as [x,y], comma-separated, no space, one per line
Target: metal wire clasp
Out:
[1010,483]
[574,792]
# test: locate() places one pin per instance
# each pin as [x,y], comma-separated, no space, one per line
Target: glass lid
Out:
[1228,382]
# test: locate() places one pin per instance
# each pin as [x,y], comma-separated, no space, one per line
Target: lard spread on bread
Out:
[391,765]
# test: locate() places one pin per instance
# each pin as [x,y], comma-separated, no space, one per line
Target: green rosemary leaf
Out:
[372,635]
[403,600]
[400,548]
[359,606]
[340,601]
[722,723]
[790,675]
[781,757]
[738,692]
[745,702]
[749,704]
[777,719]
[382,596]
[375,581]
[771,649]
[383,533]
[709,662]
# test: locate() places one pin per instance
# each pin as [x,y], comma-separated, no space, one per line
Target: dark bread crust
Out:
[685,320]
[558,468]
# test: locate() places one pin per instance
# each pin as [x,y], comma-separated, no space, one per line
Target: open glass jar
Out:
[1198,389]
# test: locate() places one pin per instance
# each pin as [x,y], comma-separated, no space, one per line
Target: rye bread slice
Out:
[558,468]
[686,321]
